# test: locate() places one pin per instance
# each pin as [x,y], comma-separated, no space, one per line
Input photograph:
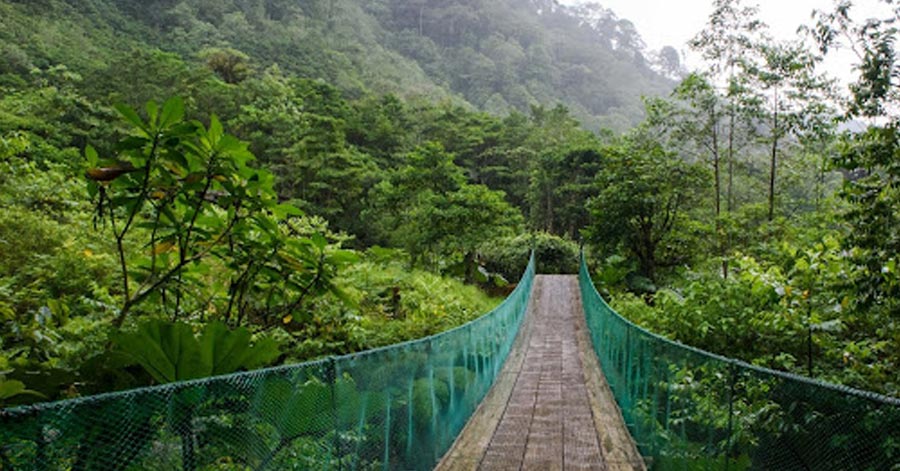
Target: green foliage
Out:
[231,65]
[686,407]
[427,207]
[202,226]
[10,388]
[196,232]
[612,274]
[561,183]
[397,304]
[873,199]
[507,256]
[140,75]
[299,128]
[293,410]
[496,56]
[197,204]
[793,315]
[868,160]
[358,411]
[171,352]
[643,205]
[53,277]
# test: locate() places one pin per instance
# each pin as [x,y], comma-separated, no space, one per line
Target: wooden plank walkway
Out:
[550,408]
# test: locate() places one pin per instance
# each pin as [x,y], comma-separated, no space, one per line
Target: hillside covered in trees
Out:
[304,178]
[498,56]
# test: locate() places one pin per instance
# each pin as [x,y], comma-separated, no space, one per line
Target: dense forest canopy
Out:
[498,56]
[304,178]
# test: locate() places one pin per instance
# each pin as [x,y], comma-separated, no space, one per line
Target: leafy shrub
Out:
[384,303]
[509,255]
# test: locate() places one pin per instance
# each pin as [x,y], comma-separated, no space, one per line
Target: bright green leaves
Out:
[132,117]
[172,114]
[228,350]
[10,388]
[169,351]
[12,144]
[642,206]
[427,208]
[182,203]
[873,200]
[230,65]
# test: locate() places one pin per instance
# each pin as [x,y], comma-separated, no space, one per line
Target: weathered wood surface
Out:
[550,408]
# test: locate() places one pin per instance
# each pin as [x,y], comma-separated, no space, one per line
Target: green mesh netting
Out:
[691,410]
[398,407]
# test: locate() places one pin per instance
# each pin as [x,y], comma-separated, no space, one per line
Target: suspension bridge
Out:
[550,379]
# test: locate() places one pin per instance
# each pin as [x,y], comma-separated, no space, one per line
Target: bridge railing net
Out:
[692,410]
[399,407]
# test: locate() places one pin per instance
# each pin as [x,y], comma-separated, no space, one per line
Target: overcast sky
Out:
[674,22]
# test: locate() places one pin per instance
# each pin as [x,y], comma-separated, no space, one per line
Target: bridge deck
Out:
[550,408]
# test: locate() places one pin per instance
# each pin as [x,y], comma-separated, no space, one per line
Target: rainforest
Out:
[299,179]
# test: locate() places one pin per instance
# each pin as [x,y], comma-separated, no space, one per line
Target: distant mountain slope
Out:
[497,55]
[502,54]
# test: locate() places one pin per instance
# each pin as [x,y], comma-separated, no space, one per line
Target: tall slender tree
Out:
[727,44]
[871,157]
[794,99]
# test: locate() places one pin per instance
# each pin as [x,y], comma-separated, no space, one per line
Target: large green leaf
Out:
[222,349]
[12,388]
[227,351]
[170,351]
[172,113]
[131,116]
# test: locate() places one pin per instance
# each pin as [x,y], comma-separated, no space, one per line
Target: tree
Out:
[562,172]
[870,157]
[722,99]
[704,123]
[299,128]
[795,99]
[231,65]
[140,75]
[184,198]
[381,127]
[565,179]
[455,224]
[645,195]
[701,122]
[727,44]
[428,208]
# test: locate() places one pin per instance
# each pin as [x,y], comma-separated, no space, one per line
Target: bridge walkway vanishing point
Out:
[550,408]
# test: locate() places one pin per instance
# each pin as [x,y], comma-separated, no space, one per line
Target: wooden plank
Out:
[469,449]
[619,447]
[548,409]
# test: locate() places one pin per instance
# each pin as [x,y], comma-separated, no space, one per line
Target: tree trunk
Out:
[549,212]
[775,133]
[729,203]
[421,18]
[716,169]
[469,267]
[729,198]
[645,249]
